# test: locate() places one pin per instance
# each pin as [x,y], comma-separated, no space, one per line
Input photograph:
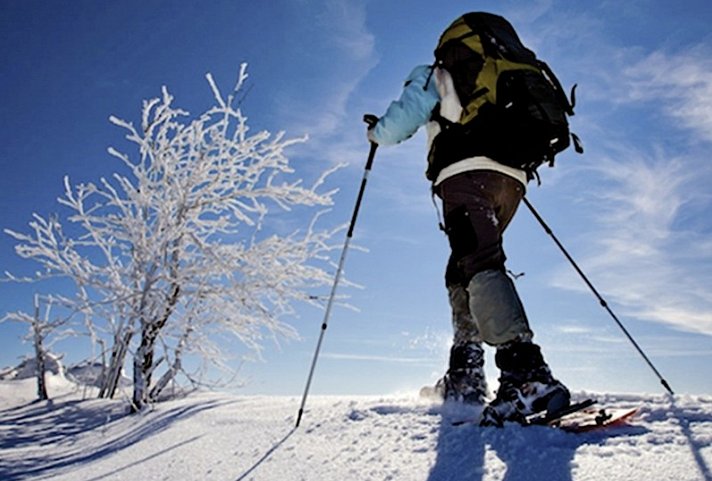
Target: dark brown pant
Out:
[478,207]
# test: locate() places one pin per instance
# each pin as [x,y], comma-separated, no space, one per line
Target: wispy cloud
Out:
[574,329]
[680,81]
[345,25]
[647,258]
[374,358]
[341,54]
[648,239]
[529,12]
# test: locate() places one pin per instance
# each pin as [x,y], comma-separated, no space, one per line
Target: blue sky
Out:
[633,210]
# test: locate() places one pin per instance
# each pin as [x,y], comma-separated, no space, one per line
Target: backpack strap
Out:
[436,116]
[568,101]
[563,98]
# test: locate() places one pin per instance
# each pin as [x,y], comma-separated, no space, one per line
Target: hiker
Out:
[479,165]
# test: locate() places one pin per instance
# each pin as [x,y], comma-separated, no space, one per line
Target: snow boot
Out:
[526,386]
[465,378]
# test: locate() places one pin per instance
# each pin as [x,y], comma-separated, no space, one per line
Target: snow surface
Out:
[28,368]
[217,436]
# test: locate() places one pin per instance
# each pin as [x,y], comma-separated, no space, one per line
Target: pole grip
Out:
[371,120]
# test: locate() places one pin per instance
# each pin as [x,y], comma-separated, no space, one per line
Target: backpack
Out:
[514,108]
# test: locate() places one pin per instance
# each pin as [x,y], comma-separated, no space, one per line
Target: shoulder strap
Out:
[563,98]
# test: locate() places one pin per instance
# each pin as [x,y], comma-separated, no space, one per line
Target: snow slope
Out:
[225,437]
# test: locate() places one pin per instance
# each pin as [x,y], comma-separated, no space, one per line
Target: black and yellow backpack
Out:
[514,108]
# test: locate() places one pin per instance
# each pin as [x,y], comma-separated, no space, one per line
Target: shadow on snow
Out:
[58,424]
[468,452]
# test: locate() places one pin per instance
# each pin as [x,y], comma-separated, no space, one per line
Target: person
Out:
[479,199]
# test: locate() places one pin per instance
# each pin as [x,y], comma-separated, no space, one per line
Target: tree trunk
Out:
[143,359]
[118,356]
[39,354]
[175,368]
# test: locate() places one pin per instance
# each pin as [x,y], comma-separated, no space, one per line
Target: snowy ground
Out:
[233,438]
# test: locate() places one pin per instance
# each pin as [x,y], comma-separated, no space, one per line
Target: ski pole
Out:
[600,298]
[370,120]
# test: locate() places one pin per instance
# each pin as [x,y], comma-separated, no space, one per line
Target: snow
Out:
[219,436]
[28,368]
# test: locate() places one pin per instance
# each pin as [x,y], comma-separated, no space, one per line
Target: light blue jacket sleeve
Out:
[410,112]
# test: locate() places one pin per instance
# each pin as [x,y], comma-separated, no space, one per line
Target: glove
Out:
[370,134]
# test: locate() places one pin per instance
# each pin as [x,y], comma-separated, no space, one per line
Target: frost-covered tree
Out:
[179,248]
[41,329]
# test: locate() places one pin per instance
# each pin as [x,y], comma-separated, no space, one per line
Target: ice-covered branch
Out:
[175,247]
